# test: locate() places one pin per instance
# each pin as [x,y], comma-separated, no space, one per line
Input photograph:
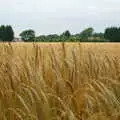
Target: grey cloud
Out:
[55,16]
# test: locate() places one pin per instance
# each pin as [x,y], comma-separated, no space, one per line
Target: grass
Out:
[61,81]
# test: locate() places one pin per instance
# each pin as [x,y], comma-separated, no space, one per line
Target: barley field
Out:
[59,81]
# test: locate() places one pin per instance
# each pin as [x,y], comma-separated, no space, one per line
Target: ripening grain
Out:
[59,81]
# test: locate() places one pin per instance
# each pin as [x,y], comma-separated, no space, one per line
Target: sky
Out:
[56,16]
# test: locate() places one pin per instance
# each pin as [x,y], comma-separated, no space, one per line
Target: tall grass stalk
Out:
[58,82]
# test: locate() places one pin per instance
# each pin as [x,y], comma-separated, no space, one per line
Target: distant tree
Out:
[28,35]
[6,33]
[9,33]
[112,34]
[65,36]
[41,38]
[52,38]
[86,33]
[47,38]
[2,32]
[100,35]
[73,38]
[67,33]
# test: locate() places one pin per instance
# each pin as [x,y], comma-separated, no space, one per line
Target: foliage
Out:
[86,33]
[112,34]
[6,33]
[66,34]
[28,35]
[100,35]
[48,38]
[9,33]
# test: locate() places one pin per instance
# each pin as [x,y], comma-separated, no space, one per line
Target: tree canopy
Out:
[112,34]
[86,33]
[28,35]
[6,33]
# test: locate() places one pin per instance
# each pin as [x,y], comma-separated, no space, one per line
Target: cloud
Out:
[49,16]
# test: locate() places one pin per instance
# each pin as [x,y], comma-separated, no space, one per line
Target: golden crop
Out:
[59,81]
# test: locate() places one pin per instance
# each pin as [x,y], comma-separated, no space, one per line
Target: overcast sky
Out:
[56,16]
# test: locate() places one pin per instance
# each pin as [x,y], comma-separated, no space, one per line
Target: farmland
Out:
[59,81]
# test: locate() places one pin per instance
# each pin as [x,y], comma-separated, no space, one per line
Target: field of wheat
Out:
[59,81]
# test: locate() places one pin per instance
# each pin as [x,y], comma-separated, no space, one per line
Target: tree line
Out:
[111,34]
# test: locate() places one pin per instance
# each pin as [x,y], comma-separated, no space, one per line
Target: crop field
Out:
[59,81]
